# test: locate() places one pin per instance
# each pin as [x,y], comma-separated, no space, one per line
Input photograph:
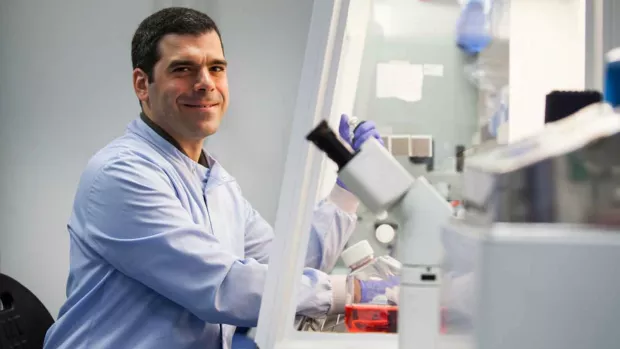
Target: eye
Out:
[217,69]
[181,69]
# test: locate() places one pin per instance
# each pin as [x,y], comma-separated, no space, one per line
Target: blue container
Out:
[472,29]
[612,78]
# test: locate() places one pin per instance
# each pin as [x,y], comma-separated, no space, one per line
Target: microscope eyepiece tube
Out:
[326,140]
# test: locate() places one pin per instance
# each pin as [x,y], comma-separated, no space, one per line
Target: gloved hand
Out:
[361,134]
[369,289]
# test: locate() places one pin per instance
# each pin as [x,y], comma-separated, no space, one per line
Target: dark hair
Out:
[171,20]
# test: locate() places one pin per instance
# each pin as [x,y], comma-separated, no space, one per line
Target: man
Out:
[165,251]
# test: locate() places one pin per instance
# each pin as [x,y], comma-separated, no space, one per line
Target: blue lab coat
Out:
[167,253]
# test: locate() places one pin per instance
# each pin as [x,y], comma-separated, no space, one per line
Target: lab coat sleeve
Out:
[134,220]
[333,223]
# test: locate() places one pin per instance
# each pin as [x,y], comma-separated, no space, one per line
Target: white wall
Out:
[264,45]
[65,91]
[547,52]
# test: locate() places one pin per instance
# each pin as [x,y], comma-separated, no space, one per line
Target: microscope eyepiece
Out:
[326,140]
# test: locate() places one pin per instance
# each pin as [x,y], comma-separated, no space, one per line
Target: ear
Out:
[141,84]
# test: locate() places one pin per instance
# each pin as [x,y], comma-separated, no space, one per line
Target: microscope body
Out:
[382,184]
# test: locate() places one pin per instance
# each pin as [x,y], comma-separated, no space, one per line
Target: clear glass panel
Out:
[433,103]
[450,98]
[437,103]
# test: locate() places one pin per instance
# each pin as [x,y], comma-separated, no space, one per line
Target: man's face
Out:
[189,94]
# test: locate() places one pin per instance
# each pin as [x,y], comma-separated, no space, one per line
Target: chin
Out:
[209,128]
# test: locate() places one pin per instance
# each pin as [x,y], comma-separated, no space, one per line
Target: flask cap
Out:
[357,253]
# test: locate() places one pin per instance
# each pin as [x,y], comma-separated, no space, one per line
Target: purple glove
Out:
[361,134]
[369,289]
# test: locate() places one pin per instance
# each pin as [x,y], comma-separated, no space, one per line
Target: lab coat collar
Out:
[215,174]
[165,135]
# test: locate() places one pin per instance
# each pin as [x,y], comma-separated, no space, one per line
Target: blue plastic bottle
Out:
[472,30]
[612,78]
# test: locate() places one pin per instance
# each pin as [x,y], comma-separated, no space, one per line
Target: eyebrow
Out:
[180,62]
[219,62]
[186,62]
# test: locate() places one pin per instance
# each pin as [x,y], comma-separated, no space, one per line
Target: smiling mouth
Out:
[201,106]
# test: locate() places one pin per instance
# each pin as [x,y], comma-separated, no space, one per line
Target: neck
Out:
[191,148]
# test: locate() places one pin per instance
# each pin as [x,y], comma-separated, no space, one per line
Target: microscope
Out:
[383,185]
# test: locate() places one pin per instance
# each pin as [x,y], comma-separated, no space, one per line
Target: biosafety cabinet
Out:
[396,62]
[424,94]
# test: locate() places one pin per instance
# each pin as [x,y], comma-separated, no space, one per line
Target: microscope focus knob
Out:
[385,233]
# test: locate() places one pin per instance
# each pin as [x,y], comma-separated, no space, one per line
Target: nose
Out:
[204,81]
